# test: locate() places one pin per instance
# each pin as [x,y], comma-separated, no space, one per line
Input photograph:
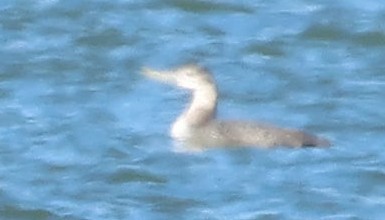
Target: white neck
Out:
[203,106]
[199,112]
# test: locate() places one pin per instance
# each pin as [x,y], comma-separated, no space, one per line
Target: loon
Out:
[198,127]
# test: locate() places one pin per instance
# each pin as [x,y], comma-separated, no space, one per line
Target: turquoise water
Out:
[84,136]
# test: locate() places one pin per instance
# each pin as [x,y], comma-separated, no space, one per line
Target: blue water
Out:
[84,136]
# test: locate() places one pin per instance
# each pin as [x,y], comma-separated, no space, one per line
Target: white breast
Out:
[180,130]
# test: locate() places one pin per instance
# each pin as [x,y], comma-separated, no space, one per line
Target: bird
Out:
[197,127]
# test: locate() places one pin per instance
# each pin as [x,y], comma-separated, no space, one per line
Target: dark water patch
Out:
[54,65]
[265,215]
[270,49]
[325,32]
[11,117]
[13,212]
[372,175]
[212,31]
[203,6]
[117,153]
[12,70]
[125,175]
[105,38]
[323,206]
[4,93]
[76,10]
[372,39]
[16,18]
[170,206]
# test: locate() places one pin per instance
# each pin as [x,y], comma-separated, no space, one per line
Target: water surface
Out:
[84,136]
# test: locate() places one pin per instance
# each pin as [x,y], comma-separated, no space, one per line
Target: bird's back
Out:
[249,134]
